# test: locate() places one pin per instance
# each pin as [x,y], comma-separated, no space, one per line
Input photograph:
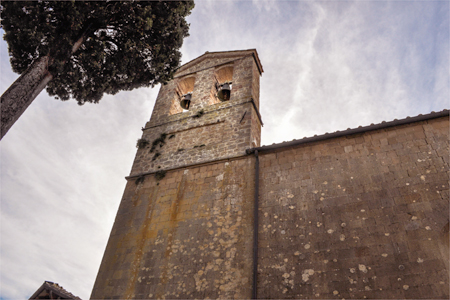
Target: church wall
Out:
[188,235]
[361,216]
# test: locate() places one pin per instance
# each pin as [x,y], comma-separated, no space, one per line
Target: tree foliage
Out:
[125,44]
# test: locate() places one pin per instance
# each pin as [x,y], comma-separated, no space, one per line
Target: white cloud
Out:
[354,71]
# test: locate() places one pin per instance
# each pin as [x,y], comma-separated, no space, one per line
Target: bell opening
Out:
[185,101]
[224,92]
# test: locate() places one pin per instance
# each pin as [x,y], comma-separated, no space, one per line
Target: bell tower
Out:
[209,111]
[184,225]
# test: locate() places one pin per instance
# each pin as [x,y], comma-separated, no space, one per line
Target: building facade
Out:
[356,214]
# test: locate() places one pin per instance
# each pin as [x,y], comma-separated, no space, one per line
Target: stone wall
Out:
[245,85]
[187,235]
[357,216]
[361,216]
[207,131]
[217,133]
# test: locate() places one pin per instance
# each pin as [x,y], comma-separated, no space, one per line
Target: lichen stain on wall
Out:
[335,222]
[224,228]
[196,233]
[136,260]
[356,217]
[171,245]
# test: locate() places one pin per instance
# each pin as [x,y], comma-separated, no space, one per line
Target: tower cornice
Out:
[223,54]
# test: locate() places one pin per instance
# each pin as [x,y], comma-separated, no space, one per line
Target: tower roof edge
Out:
[232,53]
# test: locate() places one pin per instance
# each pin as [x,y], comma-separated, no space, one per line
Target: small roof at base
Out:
[51,290]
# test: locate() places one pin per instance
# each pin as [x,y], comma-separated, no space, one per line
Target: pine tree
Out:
[84,49]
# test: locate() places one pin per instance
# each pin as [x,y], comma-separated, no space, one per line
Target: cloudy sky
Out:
[328,66]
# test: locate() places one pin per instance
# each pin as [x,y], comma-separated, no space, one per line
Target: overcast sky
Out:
[328,66]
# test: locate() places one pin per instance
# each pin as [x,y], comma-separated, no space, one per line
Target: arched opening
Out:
[221,91]
[183,95]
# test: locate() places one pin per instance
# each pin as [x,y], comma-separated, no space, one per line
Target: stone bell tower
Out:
[184,225]
[190,124]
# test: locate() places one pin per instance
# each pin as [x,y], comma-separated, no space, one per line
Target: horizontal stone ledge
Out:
[210,162]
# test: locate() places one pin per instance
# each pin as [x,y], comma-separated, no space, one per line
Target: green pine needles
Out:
[97,47]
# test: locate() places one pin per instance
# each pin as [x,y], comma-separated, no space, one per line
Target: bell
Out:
[224,92]
[185,101]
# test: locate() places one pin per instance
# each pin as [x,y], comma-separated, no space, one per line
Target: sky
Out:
[328,66]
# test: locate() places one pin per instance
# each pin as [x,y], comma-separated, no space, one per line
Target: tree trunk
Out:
[22,92]
[25,89]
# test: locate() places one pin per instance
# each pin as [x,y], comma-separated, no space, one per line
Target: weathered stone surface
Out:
[189,234]
[357,216]
[185,236]
[210,129]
